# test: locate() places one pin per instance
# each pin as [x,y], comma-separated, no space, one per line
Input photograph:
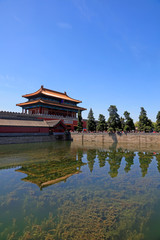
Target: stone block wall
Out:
[137,138]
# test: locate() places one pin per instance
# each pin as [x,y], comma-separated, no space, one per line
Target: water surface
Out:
[69,191]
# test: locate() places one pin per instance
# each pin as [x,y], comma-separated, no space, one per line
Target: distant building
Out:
[48,104]
[11,127]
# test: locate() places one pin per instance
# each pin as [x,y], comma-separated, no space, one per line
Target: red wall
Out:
[75,123]
[16,129]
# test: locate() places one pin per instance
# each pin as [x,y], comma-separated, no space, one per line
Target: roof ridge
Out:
[54,91]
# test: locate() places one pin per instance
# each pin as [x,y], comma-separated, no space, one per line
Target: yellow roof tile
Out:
[51,93]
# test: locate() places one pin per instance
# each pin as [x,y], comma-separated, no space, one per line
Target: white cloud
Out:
[81,5]
[7,81]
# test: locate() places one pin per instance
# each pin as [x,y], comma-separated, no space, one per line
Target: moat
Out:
[66,190]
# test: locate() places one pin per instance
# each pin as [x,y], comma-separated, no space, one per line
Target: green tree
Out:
[122,123]
[128,122]
[144,124]
[157,127]
[91,123]
[154,126]
[114,122]
[80,123]
[102,125]
[136,125]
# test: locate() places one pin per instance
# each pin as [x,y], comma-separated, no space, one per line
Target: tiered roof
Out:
[51,93]
[50,103]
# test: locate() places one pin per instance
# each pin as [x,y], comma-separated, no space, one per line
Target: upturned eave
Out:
[49,103]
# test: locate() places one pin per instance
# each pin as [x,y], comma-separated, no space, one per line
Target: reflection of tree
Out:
[52,171]
[102,155]
[158,161]
[79,155]
[114,161]
[144,160]
[129,156]
[91,155]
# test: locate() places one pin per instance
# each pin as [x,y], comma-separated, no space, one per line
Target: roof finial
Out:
[65,93]
[42,86]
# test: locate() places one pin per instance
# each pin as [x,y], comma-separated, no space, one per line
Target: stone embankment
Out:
[89,138]
[33,139]
[137,138]
[26,139]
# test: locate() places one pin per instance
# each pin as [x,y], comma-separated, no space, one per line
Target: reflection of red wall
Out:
[14,129]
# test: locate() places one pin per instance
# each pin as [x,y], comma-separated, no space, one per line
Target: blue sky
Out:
[103,52]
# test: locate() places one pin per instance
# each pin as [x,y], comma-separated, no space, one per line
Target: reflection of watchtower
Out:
[50,172]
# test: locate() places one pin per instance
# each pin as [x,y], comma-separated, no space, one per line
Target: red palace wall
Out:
[75,123]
